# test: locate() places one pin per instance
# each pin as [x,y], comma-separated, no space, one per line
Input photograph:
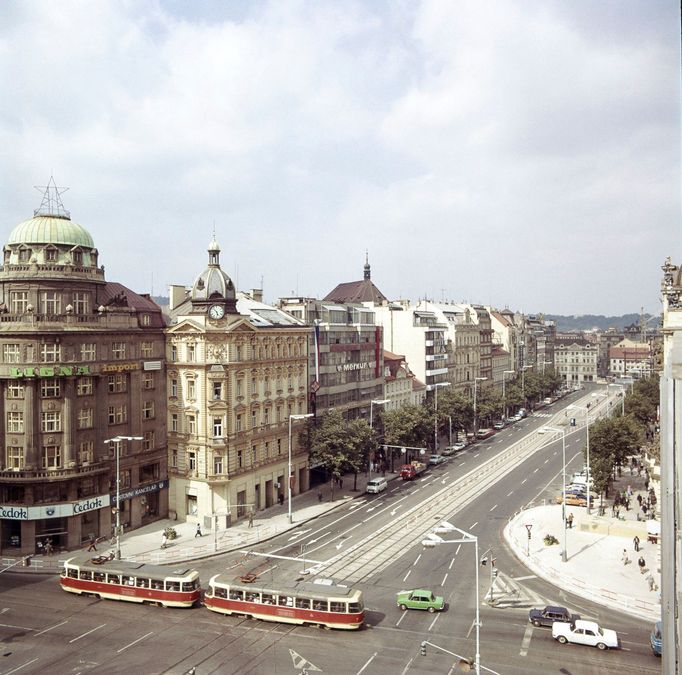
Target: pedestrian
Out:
[92,544]
[624,558]
[570,521]
[198,532]
[164,540]
[642,564]
[613,510]
[48,546]
[652,582]
[635,541]
[644,509]
[250,518]
[627,504]
[646,482]
[629,491]
[340,483]
[319,494]
[639,499]
[281,498]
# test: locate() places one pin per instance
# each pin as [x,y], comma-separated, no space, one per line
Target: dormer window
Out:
[24,254]
[78,257]
[51,255]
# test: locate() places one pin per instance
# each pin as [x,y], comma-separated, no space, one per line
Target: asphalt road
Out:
[44,629]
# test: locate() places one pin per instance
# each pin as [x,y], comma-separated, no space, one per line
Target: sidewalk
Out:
[144,543]
[594,568]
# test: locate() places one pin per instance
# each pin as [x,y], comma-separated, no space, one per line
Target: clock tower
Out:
[213,292]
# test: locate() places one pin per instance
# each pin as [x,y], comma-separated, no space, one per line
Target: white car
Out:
[585,633]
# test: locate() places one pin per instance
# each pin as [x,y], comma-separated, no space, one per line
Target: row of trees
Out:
[340,446]
[612,439]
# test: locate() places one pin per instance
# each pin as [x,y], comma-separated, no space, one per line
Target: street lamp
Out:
[476,381]
[545,363]
[622,396]
[466,538]
[435,422]
[372,403]
[504,391]
[523,383]
[117,440]
[293,417]
[556,430]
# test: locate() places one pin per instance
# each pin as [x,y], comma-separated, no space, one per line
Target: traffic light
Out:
[484,561]
[495,571]
[422,649]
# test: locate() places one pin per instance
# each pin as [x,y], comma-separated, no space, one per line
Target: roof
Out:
[357,291]
[114,295]
[50,230]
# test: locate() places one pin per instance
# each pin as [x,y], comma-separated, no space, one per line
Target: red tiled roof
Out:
[356,291]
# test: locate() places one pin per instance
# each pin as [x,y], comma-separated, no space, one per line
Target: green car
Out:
[420,599]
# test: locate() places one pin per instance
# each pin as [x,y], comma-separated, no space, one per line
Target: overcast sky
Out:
[515,153]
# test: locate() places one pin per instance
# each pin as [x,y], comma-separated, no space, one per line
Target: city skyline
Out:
[521,156]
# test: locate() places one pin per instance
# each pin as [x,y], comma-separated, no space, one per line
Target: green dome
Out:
[50,230]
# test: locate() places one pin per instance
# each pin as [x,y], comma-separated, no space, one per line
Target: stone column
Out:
[30,422]
[68,421]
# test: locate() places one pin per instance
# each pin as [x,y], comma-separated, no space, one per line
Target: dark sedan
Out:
[550,614]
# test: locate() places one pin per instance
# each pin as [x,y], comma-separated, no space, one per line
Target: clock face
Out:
[216,312]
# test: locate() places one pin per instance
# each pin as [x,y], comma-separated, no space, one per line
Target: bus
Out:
[131,581]
[305,603]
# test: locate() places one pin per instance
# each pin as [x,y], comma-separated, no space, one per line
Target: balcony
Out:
[28,476]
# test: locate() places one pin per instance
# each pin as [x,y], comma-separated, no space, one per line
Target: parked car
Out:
[585,633]
[500,424]
[484,433]
[573,499]
[511,420]
[656,639]
[452,449]
[518,417]
[420,599]
[523,412]
[550,614]
[436,459]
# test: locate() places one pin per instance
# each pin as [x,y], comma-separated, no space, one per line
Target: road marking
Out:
[434,621]
[477,454]
[452,562]
[407,667]
[9,625]
[461,464]
[509,494]
[547,460]
[88,633]
[51,627]
[407,575]
[473,526]
[523,481]
[402,616]
[442,583]
[458,547]
[9,672]
[395,489]
[536,470]
[525,643]
[301,663]
[368,662]
[494,507]
[4,609]
[134,642]
[417,560]
[528,576]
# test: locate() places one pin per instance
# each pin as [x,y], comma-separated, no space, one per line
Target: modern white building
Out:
[630,359]
[575,359]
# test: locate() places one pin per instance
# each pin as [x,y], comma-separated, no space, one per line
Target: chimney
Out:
[257,294]
[176,294]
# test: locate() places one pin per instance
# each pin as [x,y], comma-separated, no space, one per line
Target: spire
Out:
[213,252]
[368,275]
[52,201]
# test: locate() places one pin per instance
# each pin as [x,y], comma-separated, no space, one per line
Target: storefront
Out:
[142,504]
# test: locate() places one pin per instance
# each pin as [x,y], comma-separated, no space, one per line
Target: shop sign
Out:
[63,510]
[142,490]
[119,367]
[14,512]
[351,366]
[49,371]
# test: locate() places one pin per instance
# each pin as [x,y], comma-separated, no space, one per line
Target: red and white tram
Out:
[130,581]
[303,603]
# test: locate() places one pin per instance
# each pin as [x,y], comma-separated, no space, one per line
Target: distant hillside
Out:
[161,300]
[590,321]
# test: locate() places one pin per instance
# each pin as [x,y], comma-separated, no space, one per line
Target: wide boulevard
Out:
[372,543]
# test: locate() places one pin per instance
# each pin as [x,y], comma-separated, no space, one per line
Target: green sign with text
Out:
[49,371]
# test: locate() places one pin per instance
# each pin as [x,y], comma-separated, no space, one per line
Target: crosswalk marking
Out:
[302,664]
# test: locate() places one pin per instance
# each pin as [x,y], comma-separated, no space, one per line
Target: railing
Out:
[30,475]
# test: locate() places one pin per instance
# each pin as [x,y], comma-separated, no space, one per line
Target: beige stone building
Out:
[237,371]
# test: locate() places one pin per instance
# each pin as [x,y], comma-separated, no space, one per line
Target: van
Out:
[376,485]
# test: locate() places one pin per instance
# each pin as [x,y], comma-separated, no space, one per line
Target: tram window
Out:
[286,601]
[72,574]
[252,597]
[337,607]
[355,607]
[320,606]
[268,599]
[236,595]
[189,586]
[157,585]
[303,603]
[128,581]
[99,576]
[142,583]
[172,585]
[114,579]
[220,592]
[86,575]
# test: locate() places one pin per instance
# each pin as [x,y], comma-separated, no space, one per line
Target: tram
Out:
[131,581]
[328,606]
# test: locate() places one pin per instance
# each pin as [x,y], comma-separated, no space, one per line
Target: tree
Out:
[409,425]
[641,408]
[458,407]
[489,404]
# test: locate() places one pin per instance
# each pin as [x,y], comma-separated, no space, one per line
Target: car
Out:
[511,420]
[484,433]
[420,598]
[656,639]
[523,412]
[585,633]
[517,418]
[499,425]
[436,459]
[573,499]
[452,449]
[550,614]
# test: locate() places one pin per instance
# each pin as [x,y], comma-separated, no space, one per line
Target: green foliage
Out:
[456,405]
[641,408]
[410,425]
[339,446]
[489,404]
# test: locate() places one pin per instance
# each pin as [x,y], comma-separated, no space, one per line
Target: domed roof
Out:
[213,282]
[48,229]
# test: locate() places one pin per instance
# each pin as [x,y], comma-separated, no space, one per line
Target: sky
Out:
[521,154]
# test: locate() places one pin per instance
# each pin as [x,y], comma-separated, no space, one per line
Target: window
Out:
[147,349]
[49,388]
[85,418]
[84,386]
[88,351]
[50,421]
[174,388]
[191,353]
[191,424]
[218,464]
[15,457]
[267,449]
[78,257]
[254,386]
[86,452]
[50,302]
[174,353]
[81,303]
[18,301]
[191,389]
[117,383]
[118,350]
[52,457]
[149,472]
[174,458]
[11,353]
[192,461]
[240,458]
[279,446]
[50,353]
[15,390]
[50,254]
[238,423]
[118,414]
[217,391]
[148,380]
[148,410]
[239,391]
[266,416]
[148,442]
[146,320]
[238,353]
[254,419]
[217,427]
[125,478]
[174,422]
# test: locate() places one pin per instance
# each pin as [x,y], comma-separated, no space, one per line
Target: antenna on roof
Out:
[52,202]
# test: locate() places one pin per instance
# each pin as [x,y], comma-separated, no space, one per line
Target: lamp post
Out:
[117,440]
[556,430]
[435,422]
[523,383]
[545,363]
[476,381]
[504,391]
[372,403]
[622,396]
[293,417]
[450,430]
